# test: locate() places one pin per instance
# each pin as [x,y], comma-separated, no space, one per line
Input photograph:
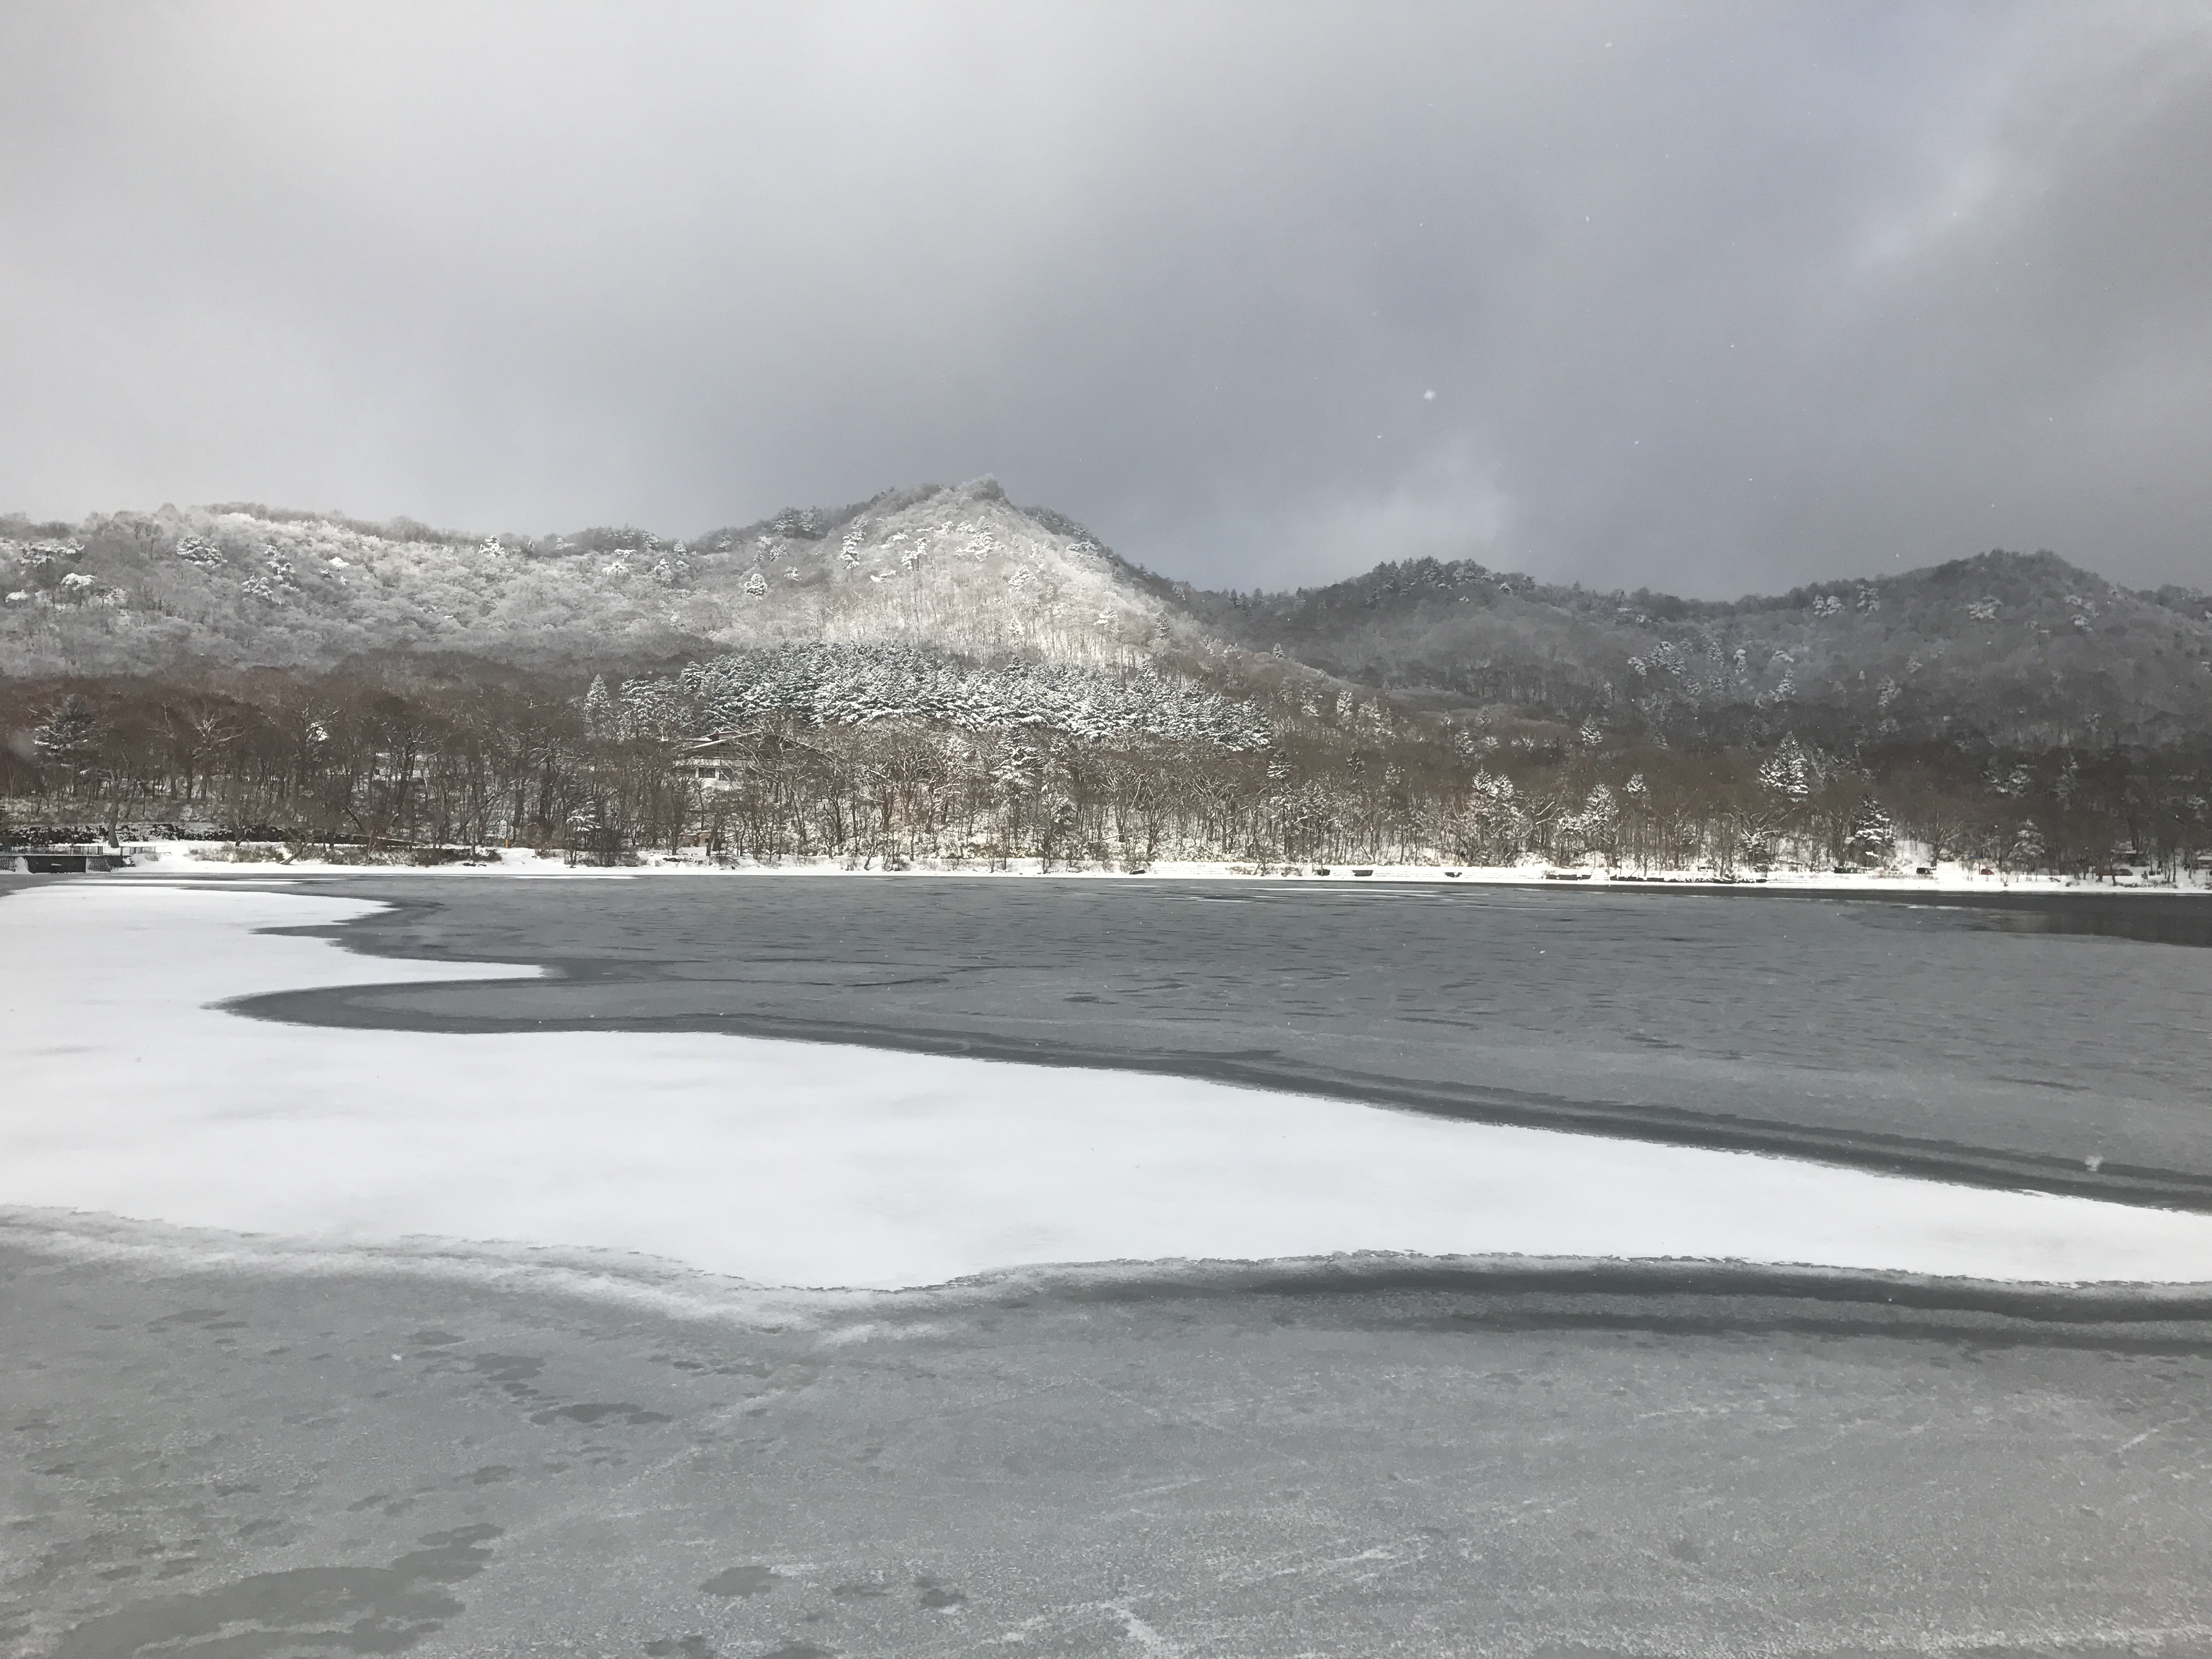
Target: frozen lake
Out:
[138,1092]
[220,1445]
[2021,1042]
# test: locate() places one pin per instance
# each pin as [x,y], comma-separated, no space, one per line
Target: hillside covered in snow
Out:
[958,570]
[937,673]
[2023,650]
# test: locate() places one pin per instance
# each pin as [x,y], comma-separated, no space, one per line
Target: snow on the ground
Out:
[170,858]
[806,1165]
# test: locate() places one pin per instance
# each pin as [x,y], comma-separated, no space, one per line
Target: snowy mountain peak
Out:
[960,569]
[2024,648]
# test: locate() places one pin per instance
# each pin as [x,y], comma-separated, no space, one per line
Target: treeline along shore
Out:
[865,758]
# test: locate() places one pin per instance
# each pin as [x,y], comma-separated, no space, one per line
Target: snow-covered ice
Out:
[126,1094]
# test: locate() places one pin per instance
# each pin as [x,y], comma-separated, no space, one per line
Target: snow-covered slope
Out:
[2025,651]
[962,570]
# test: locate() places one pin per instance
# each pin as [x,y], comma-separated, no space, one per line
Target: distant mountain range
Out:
[2022,651]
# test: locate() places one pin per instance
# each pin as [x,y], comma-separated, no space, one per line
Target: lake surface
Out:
[217,1464]
[213,1454]
[2054,1041]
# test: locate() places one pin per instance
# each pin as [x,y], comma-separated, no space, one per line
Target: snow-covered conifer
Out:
[599,709]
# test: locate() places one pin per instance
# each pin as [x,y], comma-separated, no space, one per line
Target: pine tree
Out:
[1873,838]
[69,734]
[1789,771]
[599,709]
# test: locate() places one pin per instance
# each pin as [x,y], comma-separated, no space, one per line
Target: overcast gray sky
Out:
[1706,297]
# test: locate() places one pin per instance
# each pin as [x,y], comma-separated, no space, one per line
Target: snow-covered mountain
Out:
[960,570]
[2024,651]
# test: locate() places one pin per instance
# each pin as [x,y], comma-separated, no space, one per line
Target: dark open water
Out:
[2055,1042]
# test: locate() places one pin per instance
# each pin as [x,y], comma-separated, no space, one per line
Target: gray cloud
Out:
[1709,297]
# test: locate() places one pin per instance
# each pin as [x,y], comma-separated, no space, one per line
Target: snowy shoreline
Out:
[785,1163]
[170,858]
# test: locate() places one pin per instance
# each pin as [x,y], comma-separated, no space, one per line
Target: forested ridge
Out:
[940,675]
[2023,649]
[402,755]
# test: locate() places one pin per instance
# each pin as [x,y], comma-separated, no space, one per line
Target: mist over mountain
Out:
[2022,651]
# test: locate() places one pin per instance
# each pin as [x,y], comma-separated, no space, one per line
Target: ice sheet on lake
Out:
[806,1164]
